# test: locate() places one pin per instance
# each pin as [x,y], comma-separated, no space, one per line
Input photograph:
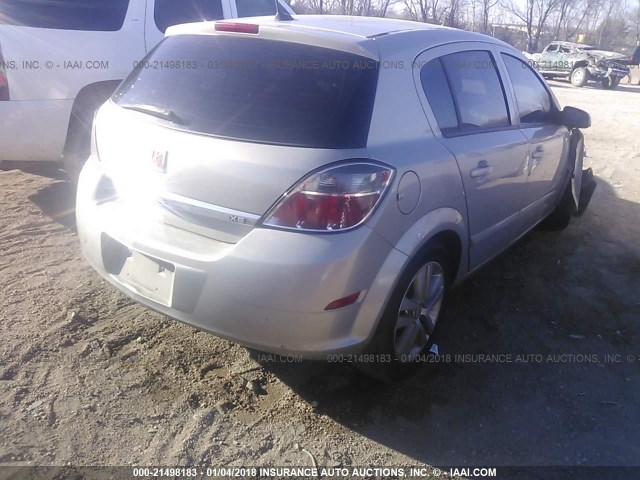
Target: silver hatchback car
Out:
[315,186]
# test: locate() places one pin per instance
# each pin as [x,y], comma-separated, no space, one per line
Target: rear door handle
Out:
[482,170]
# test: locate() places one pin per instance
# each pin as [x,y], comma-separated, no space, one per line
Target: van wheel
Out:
[72,164]
[78,145]
[579,77]
[411,319]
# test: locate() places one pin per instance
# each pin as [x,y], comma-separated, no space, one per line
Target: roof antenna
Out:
[281,14]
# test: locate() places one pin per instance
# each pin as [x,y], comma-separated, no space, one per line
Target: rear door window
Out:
[90,15]
[175,12]
[533,99]
[475,84]
[257,90]
[476,89]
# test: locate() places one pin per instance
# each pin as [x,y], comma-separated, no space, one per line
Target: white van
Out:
[60,60]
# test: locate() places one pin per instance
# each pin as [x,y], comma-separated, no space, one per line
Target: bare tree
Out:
[570,19]
[535,16]
[487,5]
[344,7]
[636,23]
[384,7]
[452,13]
[422,10]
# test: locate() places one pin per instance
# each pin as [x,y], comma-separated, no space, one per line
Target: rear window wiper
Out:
[155,111]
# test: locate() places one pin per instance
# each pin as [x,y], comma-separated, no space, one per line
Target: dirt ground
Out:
[88,377]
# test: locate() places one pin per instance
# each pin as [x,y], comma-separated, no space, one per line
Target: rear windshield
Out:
[257,90]
[92,15]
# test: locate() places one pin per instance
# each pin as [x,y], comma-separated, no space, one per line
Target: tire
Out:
[609,83]
[72,164]
[78,145]
[400,349]
[579,77]
[560,217]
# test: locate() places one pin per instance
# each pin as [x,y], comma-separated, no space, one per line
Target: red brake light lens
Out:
[237,27]
[336,199]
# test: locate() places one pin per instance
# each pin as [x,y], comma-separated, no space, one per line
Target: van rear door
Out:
[57,48]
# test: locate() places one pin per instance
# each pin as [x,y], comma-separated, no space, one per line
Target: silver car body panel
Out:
[268,288]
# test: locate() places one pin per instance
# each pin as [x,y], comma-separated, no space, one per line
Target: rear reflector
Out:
[237,27]
[343,302]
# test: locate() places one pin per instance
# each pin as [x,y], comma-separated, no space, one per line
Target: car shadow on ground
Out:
[42,169]
[56,200]
[571,295]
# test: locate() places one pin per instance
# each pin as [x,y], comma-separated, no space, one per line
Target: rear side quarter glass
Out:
[95,15]
[167,13]
[436,88]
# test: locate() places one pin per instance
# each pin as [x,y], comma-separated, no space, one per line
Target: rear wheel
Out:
[411,319]
[579,77]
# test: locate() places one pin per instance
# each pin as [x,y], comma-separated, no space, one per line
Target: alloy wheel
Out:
[419,311]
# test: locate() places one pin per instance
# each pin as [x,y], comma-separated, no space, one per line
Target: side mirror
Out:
[572,117]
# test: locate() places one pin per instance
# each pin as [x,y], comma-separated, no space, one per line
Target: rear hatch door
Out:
[220,136]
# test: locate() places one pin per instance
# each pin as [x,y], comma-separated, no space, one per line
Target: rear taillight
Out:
[237,27]
[335,199]
[4,83]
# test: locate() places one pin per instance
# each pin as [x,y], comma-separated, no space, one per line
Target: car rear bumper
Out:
[267,291]
[34,130]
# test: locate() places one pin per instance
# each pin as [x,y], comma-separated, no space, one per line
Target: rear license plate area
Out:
[147,276]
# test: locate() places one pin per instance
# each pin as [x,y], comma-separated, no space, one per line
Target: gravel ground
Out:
[88,377]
